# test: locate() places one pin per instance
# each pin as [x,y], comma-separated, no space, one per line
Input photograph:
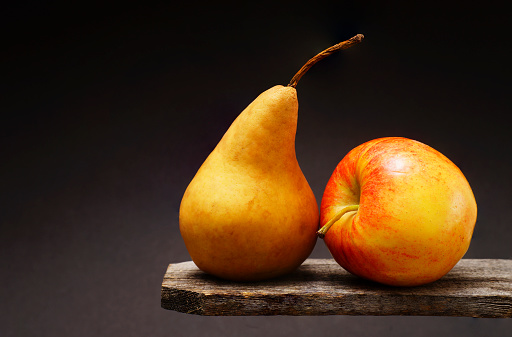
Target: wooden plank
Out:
[474,288]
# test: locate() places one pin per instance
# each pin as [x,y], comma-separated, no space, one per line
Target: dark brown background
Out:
[108,111]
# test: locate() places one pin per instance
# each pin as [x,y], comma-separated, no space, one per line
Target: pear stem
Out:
[321,233]
[331,50]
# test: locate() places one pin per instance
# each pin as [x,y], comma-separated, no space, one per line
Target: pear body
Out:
[249,213]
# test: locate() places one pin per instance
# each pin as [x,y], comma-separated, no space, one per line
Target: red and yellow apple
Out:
[398,212]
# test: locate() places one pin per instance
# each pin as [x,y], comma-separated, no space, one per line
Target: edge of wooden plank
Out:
[378,300]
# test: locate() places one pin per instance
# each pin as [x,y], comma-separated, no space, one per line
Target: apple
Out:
[397,212]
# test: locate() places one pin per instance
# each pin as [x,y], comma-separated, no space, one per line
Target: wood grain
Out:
[474,288]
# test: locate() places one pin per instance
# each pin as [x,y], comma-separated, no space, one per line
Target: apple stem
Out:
[342,45]
[322,231]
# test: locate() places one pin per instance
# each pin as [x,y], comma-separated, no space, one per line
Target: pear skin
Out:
[249,213]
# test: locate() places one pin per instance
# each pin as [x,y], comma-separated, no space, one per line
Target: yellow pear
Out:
[249,213]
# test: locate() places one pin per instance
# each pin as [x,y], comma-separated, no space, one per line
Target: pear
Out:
[249,213]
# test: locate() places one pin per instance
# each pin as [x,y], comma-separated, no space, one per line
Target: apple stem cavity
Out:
[331,50]
[322,231]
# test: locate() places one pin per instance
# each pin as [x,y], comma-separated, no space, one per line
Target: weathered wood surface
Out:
[474,288]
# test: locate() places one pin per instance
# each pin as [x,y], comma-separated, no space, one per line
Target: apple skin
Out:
[416,213]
